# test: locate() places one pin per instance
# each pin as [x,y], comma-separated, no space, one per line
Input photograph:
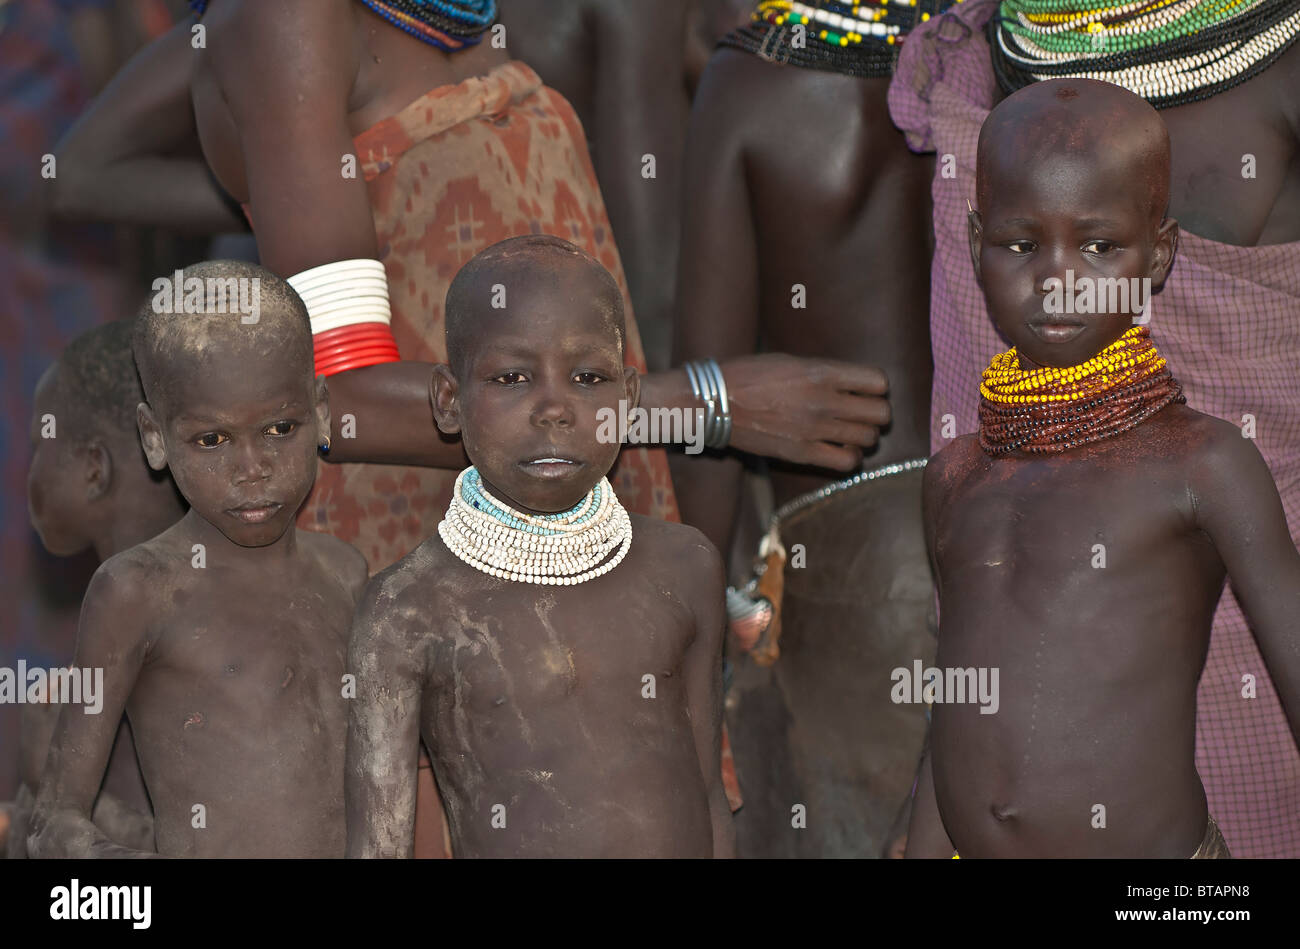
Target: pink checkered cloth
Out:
[1223,308]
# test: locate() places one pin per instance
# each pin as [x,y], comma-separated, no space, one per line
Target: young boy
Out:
[88,486]
[1081,540]
[223,638]
[560,658]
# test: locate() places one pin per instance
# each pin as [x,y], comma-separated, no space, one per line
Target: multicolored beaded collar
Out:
[856,38]
[1169,52]
[447,24]
[1050,410]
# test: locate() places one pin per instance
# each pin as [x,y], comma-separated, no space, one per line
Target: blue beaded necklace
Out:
[584,511]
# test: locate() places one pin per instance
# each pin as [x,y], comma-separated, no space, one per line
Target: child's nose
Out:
[251,464]
[1051,263]
[552,410]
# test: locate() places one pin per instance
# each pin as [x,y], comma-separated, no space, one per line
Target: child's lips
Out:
[1056,331]
[551,466]
[255,512]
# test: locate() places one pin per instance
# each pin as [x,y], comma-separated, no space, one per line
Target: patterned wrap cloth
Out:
[1224,307]
[459,169]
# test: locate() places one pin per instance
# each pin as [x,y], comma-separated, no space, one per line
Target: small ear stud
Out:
[325,446]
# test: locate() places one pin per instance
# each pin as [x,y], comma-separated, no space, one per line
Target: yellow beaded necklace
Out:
[1129,359]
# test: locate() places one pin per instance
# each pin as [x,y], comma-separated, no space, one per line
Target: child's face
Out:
[1068,212]
[239,432]
[57,490]
[528,399]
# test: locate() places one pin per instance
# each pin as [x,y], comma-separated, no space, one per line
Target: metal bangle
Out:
[695,372]
[722,436]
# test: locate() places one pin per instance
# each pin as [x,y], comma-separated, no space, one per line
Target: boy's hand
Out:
[818,412]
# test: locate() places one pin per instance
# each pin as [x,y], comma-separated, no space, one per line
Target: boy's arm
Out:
[109,638]
[703,672]
[926,835]
[1237,504]
[383,747]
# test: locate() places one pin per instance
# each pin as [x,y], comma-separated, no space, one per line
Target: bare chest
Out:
[539,648]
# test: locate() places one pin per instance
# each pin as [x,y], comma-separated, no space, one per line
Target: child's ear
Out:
[98,469]
[632,380]
[151,437]
[975,226]
[1162,255]
[322,410]
[444,396]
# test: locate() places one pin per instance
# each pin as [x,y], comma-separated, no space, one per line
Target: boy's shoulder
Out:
[953,461]
[1204,444]
[336,556]
[682,539]
[413,582]
[126,588]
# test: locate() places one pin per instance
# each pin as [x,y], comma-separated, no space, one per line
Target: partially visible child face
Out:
[1086,211]
[56,487]
[239,431]
[531,389]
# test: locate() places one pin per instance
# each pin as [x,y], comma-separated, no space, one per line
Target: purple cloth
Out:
[1224,309]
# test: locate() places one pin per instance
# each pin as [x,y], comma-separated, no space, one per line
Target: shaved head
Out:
[171,342]
[1081,118]
[515,272]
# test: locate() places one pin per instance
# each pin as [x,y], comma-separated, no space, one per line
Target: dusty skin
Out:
[1099,666]
[533,700]
[230,673]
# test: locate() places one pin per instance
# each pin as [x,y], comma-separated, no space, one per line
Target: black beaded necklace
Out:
[823,43]
[447,24]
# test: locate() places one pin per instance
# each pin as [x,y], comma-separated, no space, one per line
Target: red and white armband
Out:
[350,317]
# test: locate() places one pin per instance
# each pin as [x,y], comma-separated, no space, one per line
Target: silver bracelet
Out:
[709,387]
[723,434]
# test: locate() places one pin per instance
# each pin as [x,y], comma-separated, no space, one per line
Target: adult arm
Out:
[109,637]
[133,157]
[717,312]
[703,678]
[383,748]
[639,111]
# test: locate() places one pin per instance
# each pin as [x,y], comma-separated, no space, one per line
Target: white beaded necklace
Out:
[566,548]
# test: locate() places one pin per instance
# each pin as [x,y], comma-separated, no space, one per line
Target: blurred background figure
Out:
[56,280]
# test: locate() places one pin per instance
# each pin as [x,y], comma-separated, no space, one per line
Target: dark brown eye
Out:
[510,378]
[588,378]
[281,428]
[1098,247]
[210,439]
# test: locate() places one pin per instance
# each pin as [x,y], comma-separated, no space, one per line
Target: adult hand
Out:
[820,412]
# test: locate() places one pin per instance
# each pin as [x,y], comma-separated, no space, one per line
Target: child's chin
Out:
[256,535]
